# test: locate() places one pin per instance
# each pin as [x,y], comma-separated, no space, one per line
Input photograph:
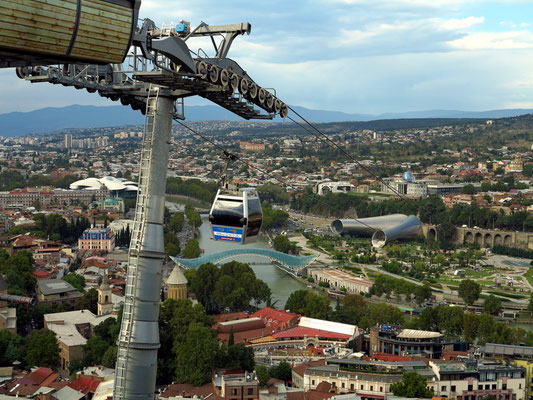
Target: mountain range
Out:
[76,116]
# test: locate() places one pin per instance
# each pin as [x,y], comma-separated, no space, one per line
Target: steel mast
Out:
[158,73]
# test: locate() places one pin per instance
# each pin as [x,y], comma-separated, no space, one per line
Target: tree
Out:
[451,321]
[11,348]
[283,244]
[282,371]
[176,223]
[203,283]
[198,355]
[309,304]
[94,350]
[240,357]
[412,385]
[262,375]
[470,327]
[468,189]
[42,349]
[485,328]
[192,249]
[445,233]
[469,291]
[89,301]
[193,216]
[492,305]
[78,281]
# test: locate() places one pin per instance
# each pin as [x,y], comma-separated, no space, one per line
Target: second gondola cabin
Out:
[236,216]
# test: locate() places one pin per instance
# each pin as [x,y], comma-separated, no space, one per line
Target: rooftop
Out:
[54,286]
[416,334]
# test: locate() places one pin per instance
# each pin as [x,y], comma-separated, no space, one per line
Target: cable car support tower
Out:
[158,73]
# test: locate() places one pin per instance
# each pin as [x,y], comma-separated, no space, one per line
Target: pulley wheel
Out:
[214,73]
[261,97]
[252,91]
[124,101]
[201,68]
[224,77]
[284,111]
[244,86]
[269,101]
[234,81]
[277,106]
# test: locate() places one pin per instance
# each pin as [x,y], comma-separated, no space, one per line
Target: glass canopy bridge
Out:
[292,264]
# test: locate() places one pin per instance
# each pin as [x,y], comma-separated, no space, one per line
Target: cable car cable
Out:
[237,158]
[327,138]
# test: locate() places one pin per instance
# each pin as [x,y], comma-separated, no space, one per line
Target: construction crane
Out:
[154,76]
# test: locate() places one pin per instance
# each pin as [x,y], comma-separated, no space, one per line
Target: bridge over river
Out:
[293,264]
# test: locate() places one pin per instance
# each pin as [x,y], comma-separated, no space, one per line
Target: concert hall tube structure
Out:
[409,229]
[366,226]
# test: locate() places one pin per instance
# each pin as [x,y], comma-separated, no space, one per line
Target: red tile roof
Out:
[84,385]
[273,317]
[300,332]
[190,390]
[40,274]
[230,317]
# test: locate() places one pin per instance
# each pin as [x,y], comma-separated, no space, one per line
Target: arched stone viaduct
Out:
[485,237]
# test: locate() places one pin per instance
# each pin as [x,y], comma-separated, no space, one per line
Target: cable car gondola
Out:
[236,216]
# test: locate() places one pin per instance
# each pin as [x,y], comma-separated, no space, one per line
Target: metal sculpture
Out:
[158,73]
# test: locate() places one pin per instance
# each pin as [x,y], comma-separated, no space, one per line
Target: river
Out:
[280,282]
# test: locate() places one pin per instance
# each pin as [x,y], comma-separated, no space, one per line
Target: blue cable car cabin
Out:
[236,216]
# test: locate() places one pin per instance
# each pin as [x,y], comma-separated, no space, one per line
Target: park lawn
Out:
[478,274]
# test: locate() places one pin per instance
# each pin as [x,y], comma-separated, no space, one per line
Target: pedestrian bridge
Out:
[293,263]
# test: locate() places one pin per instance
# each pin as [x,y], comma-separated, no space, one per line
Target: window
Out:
[333,384]
[362,387]
[504,386]
[470,388]
[452,388]
[351,386]
[234,392]
[381,388]
[443,389]
[313,382]
[342,384]
[479,387]
[371,388]
[493,386]
[487,387]
[250,391]
[519,386]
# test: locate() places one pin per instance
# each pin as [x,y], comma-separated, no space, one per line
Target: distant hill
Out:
[56,118]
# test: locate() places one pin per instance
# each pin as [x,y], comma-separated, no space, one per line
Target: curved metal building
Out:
[409,229]
[383,230]
[366,226]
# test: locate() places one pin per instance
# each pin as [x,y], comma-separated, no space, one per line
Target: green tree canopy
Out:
[42,349]
[197,355]
[192,249]
[469,291]
[492,304]
[412,385]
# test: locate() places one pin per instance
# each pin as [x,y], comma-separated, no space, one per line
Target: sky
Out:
[356,56]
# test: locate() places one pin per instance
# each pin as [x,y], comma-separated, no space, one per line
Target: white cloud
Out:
[494,41]
[461,24]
